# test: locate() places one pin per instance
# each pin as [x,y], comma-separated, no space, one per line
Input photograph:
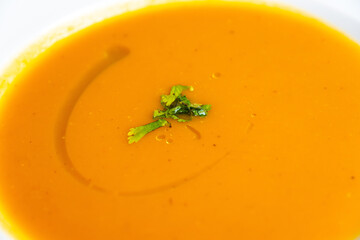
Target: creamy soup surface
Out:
[277,157]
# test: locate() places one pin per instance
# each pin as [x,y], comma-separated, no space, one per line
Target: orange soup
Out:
[276,158]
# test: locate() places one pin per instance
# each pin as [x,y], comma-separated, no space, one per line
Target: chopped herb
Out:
[167,100]
[176,106]
[135,134]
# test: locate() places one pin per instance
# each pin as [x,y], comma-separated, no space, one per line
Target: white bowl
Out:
[50,21]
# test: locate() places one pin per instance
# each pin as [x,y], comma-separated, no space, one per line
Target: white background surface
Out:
[23,21]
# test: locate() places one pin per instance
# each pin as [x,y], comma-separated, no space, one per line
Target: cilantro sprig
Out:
[175,106]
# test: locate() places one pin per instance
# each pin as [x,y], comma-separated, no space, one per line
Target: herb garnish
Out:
[176,106]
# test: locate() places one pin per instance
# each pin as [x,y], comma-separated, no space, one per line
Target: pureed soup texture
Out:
[276,158]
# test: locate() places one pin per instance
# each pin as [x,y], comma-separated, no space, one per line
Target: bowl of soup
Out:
[185,120]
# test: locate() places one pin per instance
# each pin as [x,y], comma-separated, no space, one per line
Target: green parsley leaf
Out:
[171,112]
[176,106]
[201,110]
[135,134]
[167,100]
